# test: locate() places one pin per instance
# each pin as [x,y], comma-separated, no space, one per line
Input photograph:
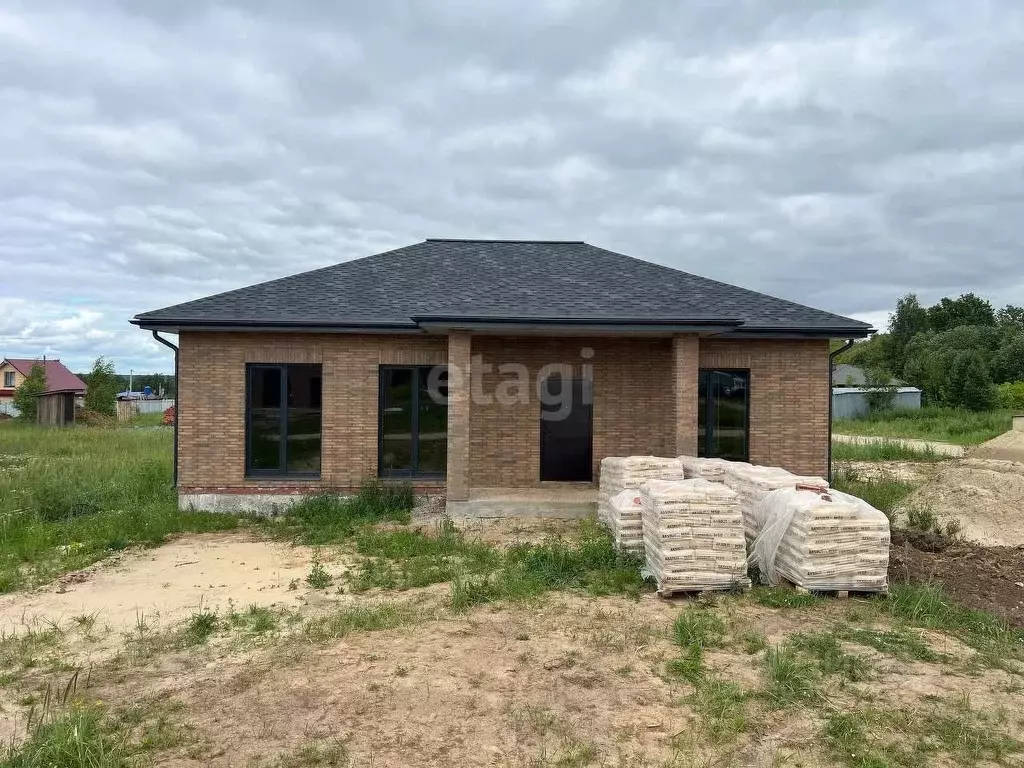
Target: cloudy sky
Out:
[153,152]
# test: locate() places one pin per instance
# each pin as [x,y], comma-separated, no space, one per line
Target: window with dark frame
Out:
[413,421]
[283,420]
[723,414]
[8,379]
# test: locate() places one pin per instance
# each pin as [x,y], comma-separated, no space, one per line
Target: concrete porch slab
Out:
[556,501]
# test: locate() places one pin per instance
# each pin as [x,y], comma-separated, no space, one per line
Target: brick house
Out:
[489,371]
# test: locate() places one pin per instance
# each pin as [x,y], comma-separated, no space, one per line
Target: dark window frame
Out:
[281,473]
[9,376]
[414,425]
[709,411]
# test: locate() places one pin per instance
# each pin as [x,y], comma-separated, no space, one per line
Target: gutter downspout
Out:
[177,401]
[831,370]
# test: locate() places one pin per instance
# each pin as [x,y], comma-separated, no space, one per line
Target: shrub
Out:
[101,387]
[968,384]
[1010,395]
[26,398]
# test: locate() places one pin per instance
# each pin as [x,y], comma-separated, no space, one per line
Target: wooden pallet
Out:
[839,594]
[668,594]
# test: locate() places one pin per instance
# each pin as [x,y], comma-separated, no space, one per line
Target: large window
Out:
[283,420]
[413,425]
[723,415]
[8,379]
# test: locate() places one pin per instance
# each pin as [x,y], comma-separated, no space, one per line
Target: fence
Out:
[7,407]
[849,402]
[129,409]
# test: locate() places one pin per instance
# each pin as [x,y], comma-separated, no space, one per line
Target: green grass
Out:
[790,679]
[200,627]
[947,425]
[926,606]
[900,642]
[907,738]
[588,560]
[782,597]
[722,709]
[827,651]
[883,491]
[72,496]
[699,626]
[405,559]
[79,739]
[887,451]
[327,518]
[372,618]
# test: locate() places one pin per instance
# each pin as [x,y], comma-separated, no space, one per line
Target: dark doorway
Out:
[566,430]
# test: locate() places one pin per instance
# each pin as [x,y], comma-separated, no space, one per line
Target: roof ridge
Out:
[494,240]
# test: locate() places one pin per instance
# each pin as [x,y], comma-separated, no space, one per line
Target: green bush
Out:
[968,384]
[26,397]
[1010,395]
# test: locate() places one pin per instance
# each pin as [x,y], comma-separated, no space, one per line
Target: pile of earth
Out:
[977,576]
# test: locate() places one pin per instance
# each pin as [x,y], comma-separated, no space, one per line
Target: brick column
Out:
[685,370]
[459,388]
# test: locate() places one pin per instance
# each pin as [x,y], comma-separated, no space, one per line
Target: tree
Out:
[909,319]
[966,309]
[101,387]
[26,398]
[1008,361]
[1011,317]
[879,390]
[870,353]
[968,384]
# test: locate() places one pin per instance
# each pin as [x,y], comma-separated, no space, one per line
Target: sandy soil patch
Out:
[985,495]
[1009,446]
[166,584]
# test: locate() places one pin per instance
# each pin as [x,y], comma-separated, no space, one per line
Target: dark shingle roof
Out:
[538,281]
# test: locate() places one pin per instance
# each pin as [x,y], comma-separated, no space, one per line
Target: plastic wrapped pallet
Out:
[821,541]
[620,473]
[693,535]
[709,469]
[626,522]
[753,483]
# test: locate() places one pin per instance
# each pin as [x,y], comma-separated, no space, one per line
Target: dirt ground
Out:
[569,680]
[164,585]
[1009,446]
[985,495]
[987,578]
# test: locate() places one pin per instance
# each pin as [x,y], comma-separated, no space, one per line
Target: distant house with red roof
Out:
[58,378]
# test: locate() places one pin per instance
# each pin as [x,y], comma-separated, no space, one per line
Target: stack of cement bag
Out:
[619,474]
[753,483]
[693,535]
[709,469]
[821,541]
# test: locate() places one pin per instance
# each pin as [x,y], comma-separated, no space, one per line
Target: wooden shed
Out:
[57,408]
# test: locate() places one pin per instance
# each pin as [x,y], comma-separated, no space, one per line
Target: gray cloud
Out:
[836,155]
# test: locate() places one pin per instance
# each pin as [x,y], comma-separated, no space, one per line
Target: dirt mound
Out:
[985,495]
[987,578]
[1009,446]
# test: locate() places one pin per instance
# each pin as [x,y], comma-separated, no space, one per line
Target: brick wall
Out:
[212,402]
[789,398]
[633,403]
